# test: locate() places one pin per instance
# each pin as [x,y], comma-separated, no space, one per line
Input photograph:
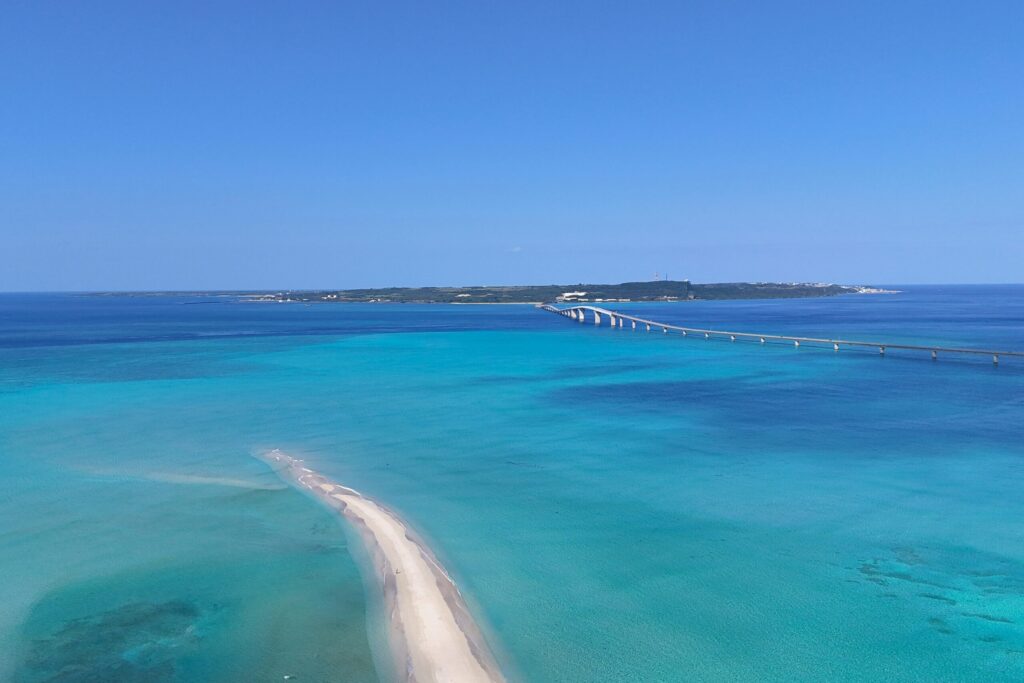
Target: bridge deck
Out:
[763,338]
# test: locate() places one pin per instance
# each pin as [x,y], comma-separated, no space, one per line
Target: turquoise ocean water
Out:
[616,506]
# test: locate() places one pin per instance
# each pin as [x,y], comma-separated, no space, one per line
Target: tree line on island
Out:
[656,290]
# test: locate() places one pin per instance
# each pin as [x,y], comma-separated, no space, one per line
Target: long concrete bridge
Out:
[618,320]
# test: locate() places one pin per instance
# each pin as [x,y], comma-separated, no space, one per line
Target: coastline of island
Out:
[431,633]
[662,291]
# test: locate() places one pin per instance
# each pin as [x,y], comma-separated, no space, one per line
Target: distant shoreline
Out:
[662,291]
[247,300]
[657,291]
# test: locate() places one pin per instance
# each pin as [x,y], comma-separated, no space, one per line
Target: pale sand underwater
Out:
[431,633]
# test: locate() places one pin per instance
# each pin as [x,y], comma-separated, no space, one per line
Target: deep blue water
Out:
[615,505]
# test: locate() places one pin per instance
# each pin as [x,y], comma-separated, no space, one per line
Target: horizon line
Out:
[237,290]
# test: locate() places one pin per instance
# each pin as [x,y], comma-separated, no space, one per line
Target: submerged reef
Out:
[137,641]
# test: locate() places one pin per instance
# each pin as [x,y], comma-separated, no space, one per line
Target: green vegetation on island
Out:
[656,290]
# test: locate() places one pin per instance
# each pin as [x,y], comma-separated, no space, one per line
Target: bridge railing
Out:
[616,319]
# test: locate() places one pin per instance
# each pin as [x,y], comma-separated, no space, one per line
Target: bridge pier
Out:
[616,319]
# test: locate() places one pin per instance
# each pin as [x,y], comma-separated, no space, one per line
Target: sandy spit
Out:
[431,633]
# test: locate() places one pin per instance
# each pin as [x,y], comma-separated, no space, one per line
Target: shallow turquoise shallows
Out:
[615,505]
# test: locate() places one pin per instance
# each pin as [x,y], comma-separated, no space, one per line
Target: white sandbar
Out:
[431,633]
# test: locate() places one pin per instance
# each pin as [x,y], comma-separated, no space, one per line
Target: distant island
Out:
[656,290]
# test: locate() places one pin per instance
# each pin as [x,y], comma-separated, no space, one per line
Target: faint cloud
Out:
[516,250]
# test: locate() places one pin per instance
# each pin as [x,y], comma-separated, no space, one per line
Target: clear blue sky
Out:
[148,145]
